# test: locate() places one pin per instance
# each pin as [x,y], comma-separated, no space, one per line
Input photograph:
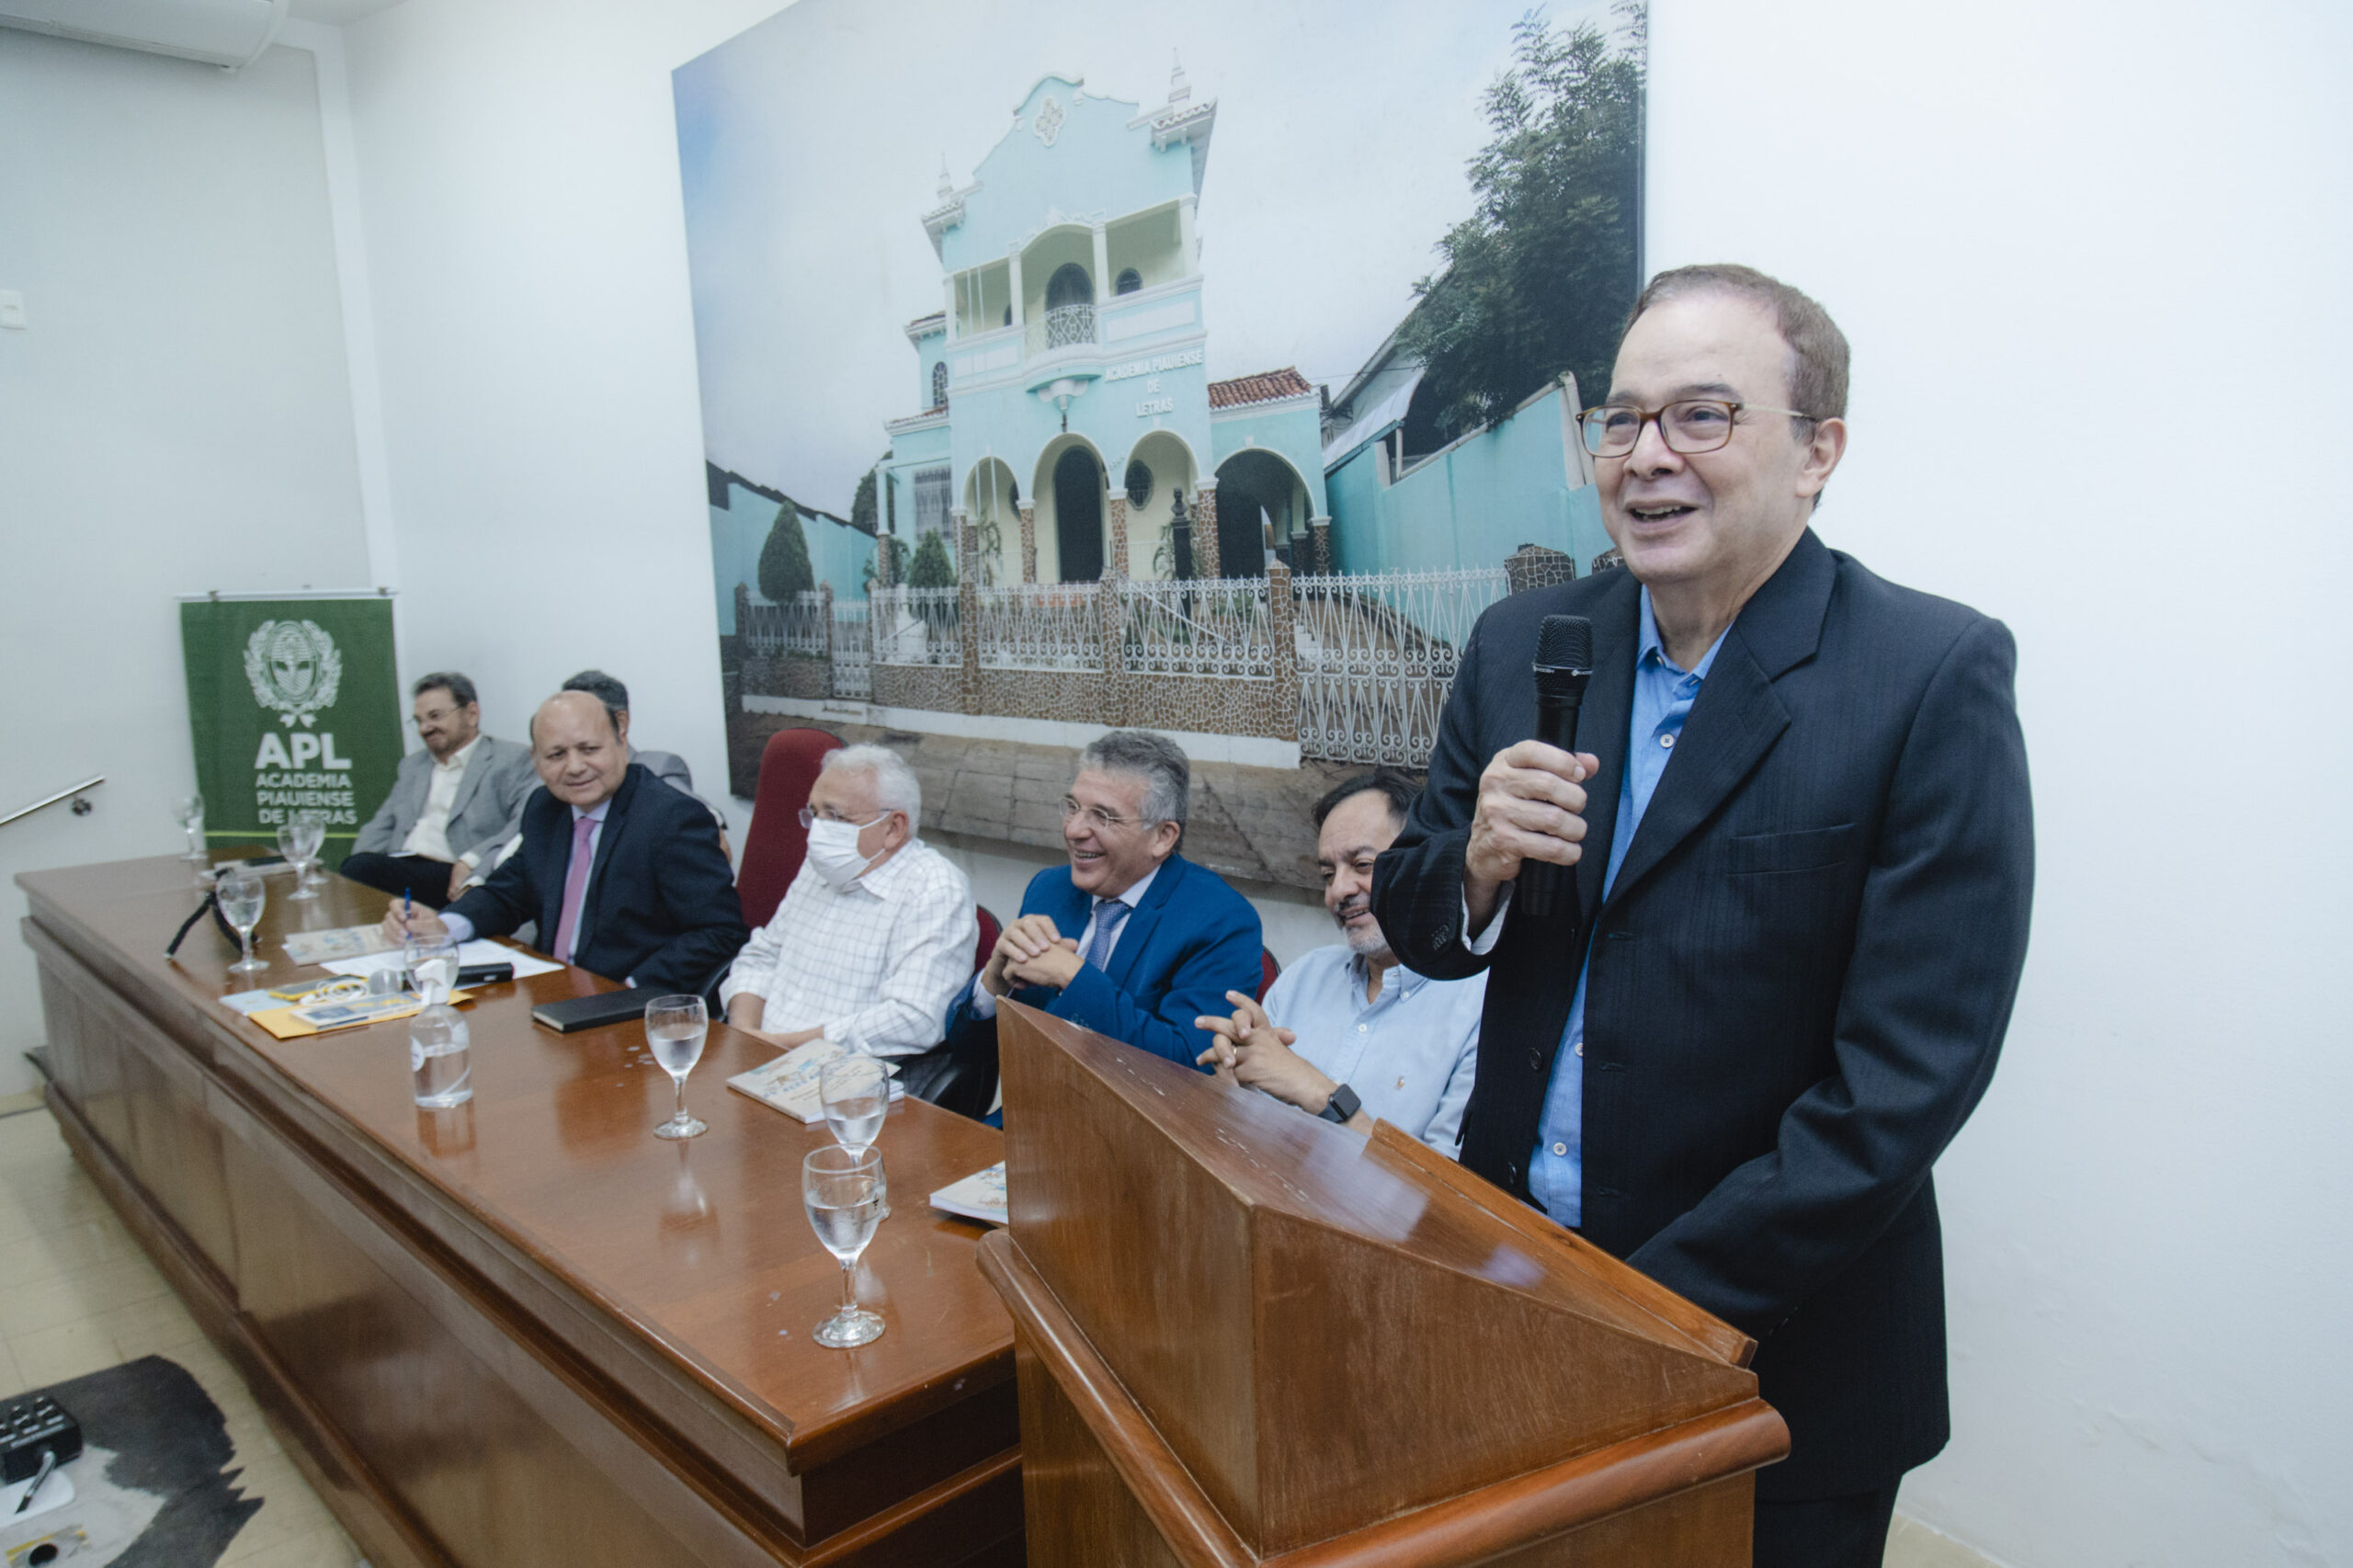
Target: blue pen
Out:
[408,907]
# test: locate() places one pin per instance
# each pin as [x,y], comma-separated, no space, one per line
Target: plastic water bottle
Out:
[438,1056]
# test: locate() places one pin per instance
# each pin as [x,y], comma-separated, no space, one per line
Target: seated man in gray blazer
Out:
[453,805]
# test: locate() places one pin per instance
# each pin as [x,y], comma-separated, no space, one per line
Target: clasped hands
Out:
[1249,1051]
[1030,951]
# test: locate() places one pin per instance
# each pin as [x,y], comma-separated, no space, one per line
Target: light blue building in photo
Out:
[1066,406]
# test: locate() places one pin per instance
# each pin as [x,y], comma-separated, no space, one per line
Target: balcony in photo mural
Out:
[1067,411]
[1133,543]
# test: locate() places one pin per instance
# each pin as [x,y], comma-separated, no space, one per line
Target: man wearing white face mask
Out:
[877,932]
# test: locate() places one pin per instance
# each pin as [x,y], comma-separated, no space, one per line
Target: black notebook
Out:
[575,1013]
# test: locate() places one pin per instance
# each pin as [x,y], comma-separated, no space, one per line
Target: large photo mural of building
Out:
[1211,383]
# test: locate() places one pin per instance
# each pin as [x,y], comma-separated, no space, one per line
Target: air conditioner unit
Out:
[217,32]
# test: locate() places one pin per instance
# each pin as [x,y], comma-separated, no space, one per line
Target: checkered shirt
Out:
[882,957]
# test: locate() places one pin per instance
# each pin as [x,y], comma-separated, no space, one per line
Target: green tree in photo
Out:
[931,567]
[784,559]
[1537,280]
[862,505]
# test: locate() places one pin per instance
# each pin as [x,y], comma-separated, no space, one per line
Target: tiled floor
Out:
[79,1295]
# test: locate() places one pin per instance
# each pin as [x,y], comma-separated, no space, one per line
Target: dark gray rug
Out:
[152,1487]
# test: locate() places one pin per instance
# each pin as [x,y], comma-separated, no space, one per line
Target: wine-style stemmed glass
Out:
[313,829]
[190,813]
[856,1093]
[241,896]
[675,1028]
[847,1197]
[291,844]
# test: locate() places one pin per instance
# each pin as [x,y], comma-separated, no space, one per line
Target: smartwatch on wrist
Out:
[1343,1104]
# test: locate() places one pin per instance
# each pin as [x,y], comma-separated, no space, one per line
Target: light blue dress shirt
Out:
[1663,699]
[1410,1053]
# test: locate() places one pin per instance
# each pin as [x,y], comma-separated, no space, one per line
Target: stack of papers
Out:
[469,954]
[978,1197]
[362,951]
[344,942]
[790,1082]
[288,1020]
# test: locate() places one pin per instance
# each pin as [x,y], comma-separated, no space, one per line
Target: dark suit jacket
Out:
[1190,941]
[661,907]
[1798,985]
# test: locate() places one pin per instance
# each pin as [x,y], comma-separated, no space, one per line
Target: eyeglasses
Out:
[1691,425]
[1096,817]
[418,721]
[809,815]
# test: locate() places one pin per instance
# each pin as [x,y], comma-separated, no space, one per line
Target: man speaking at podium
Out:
[1802,853]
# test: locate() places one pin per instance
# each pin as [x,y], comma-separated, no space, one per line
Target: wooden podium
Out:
[1245,1336]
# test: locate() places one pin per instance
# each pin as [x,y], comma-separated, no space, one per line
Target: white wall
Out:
[2060,237]
[527,259]
[174,418]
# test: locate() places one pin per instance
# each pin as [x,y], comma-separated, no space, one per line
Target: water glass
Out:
[190,813]
[675,1028]
[439,1058]
[298,846]
[432,965]
[856,1093]
[241,896]
[311,831]
[845,1196]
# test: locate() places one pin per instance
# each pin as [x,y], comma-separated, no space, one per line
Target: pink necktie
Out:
[576,883]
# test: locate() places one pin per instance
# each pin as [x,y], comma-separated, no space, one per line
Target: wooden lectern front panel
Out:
[1245,1336]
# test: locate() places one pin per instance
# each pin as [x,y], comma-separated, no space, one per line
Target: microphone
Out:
[1564,666]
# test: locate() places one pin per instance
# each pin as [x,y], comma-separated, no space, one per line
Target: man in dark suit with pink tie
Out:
[624,876]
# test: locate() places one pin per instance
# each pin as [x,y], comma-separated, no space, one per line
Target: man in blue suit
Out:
[1131,939]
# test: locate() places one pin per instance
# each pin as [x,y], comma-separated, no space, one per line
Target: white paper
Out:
[482,950]
[342,942]
[790,1082]
[980,1195]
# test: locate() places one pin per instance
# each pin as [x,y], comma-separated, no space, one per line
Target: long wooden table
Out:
[526,1332]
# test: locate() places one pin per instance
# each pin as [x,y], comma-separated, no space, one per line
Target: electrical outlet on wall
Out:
[12,308]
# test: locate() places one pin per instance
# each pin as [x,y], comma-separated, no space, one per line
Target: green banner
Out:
[295,706]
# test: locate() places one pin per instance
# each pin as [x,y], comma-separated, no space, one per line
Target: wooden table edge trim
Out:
[1515,1512]
[844,1546]
[741,1505]
[805,1449]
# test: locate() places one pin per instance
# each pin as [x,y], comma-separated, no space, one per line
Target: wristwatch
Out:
[1343,1104]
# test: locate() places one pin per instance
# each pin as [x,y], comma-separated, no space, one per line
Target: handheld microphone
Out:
[1564,666]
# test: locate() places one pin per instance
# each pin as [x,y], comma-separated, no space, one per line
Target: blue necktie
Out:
[1110,914]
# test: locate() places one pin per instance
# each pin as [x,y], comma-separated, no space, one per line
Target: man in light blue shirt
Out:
[1663,698]
[1348,1033]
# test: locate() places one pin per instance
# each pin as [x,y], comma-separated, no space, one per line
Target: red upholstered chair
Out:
[776,843]
[1268,970]
[990,932]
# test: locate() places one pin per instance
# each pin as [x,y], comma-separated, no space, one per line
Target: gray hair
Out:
[605,689]
[1156,759]
[461,689]
[896,789]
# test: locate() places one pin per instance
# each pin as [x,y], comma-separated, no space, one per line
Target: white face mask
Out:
[833,850]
